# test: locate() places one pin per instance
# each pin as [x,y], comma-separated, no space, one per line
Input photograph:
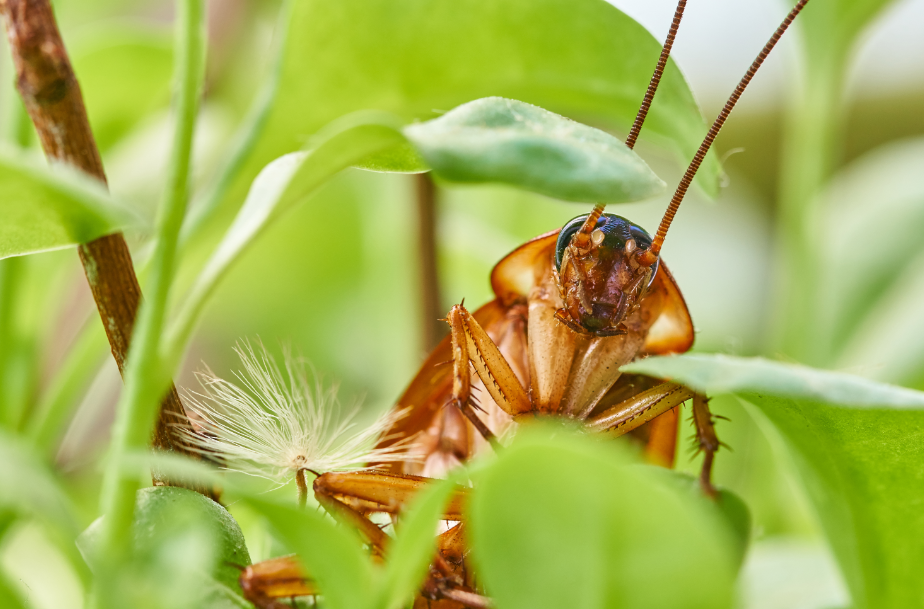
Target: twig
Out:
[432,330]
[52,97]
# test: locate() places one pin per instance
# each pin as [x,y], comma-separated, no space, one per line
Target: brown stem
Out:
[432,329]
[51,94]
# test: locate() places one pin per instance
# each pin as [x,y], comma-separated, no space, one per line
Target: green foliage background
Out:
[810,254]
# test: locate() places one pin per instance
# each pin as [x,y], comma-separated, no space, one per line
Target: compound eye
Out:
[564,238]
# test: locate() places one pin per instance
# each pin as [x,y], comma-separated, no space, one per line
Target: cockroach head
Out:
[599,273]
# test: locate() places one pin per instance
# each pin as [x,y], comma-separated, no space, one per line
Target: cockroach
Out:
[571,307]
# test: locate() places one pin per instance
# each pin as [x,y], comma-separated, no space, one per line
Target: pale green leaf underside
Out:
[717,374]
[515,143]
[859,446]
[45,208]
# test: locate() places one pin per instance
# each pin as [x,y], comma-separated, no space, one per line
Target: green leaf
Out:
[511,142]
[583,59]
[332,554]
[124,73]
[413,549]
[8,596]
[281,185]
[186,552]
[859,446]
[402,158]
[30,489]
[561,521]
[45,208]
[727,510]
[717,374]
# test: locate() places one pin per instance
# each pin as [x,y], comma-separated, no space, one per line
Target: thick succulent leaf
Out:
[564,521]
[45,208]
[180,537]
[418,58]
[859,446]
[512,142]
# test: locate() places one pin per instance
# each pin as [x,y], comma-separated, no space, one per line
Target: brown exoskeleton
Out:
[571,307]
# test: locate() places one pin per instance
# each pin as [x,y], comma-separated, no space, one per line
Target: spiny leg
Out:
[471,344]
[706,440]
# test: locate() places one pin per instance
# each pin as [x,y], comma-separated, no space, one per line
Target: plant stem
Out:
[432,330]
[81,360]
[146,379]
[52,98]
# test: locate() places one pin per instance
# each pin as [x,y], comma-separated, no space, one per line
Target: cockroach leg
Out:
[283,577]
[706,439]
[639,409]
[471,344]
[661,447]
[376,491]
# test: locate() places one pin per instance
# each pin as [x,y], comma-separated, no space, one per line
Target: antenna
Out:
[591,221]
[710,137]
[656,77]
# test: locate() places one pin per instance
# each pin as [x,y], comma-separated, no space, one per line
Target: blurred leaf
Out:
[332,554]
[560,521]
[834,24]
[8,597]
[45,208]
[125,74]
[412,551]
[30,489]
[859,446]
[863,286]
[511,142]
[281,185]
[584,59]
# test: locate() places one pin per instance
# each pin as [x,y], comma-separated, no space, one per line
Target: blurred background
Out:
[338,281]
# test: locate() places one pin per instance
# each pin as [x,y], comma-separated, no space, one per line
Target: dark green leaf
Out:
[49,208]
[859,446]
[561,521]
[511,142]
